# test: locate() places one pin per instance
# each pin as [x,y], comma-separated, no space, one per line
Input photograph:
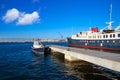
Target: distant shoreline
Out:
[11,40]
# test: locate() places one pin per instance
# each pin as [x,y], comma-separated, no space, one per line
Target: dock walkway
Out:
[106,59]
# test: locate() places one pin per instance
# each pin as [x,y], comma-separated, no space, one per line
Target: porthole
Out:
[113,41]
[98,41]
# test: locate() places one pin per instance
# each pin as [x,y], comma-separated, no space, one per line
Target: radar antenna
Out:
[110,23]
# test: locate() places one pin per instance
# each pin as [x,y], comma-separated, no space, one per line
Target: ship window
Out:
[77,35]
[94,36]
[114,35]
[118,35]
[89,36]
[106,36]
[110,35]
[98,36]
[103,36]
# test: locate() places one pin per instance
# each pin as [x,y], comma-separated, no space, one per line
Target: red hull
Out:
[92,47]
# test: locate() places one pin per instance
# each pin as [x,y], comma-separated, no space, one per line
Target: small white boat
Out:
[37,47]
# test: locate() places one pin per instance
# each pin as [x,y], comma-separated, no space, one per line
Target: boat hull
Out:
[95,44]
[38,51]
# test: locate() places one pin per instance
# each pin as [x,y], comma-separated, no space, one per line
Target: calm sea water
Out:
[17,62]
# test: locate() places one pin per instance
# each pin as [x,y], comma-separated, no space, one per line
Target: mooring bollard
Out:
[68,49]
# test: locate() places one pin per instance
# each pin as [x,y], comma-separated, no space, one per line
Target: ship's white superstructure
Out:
[104,39]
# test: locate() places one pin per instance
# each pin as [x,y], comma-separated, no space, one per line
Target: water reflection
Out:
[87,71]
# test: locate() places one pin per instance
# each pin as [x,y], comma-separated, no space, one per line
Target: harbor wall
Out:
[76,56]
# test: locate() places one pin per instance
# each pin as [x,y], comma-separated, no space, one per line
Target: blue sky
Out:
[50,18]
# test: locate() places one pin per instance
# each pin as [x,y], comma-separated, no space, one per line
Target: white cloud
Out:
[11,15]
[26,19]
[21,18]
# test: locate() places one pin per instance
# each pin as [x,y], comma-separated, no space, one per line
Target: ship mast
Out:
[110,23]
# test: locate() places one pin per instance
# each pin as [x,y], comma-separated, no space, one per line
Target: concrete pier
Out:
[105,59]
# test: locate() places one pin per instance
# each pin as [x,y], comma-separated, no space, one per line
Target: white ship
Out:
[104,39]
